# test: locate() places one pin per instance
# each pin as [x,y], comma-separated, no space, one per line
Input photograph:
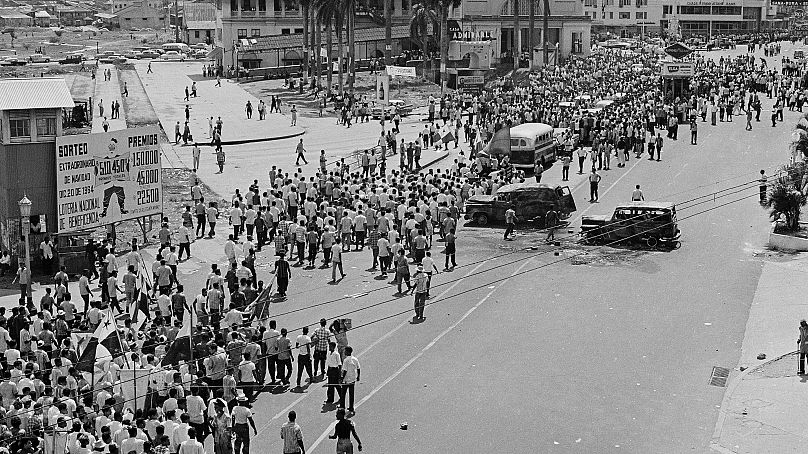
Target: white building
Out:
[706,18]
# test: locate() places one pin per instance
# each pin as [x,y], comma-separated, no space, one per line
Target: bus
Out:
[530,143]
[181,48]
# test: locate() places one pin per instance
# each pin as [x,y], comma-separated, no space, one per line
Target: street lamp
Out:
[25,214]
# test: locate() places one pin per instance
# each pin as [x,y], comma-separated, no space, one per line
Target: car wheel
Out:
[651,241]
[481,219]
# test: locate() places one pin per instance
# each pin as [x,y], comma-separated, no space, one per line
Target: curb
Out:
[715,441]
[443,156]
[240,142]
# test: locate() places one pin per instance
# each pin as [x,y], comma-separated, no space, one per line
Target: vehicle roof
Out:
[648,204]
[527,185]
[530,129]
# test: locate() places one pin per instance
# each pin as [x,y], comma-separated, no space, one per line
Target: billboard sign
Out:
[676,69]
[107,177]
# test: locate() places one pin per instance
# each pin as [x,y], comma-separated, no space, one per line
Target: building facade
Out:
[74,16]
[140,16]
[703,18]
[30,120]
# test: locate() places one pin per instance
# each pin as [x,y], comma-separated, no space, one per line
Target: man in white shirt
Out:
[350,375]
[333,364]
[181,432]
[303,344]
[132,443]
[191,445]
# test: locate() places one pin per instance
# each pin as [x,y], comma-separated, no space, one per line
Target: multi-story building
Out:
[250,29]
[705,18]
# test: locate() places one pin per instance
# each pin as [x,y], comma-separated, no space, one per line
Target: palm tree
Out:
[423,14]
[318,38]
[531,37]
[328,11]
[444,6]
[546,29]
[785,199]
[351,45]
[388,31]
[305,4]
[339,17]
[517,35]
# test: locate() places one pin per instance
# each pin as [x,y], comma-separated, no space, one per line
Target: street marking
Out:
[421,353]
[389,333]
[607,190]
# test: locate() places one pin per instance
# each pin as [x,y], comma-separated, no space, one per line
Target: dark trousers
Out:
[508,230]
[581,164]
[593,190]
[283,284]
[420,302]
[285,370]
[693,137]
[242,442]
[333,381]
[272,361]
[802,362]
[184,247]
[303,362]
[347,389]
[319,361]
[565,173]
[200,224]
[763,194]
[201,431]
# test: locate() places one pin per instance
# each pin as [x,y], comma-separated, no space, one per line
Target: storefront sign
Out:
[107,177]
[671,69]
[405,71]
[455,32]
[471,83]
[712,3]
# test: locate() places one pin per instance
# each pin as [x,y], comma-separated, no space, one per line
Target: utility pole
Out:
[176,21]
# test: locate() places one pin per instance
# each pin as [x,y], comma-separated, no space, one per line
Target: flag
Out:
[449,137]
[500,144]
[181,348]
[104,345]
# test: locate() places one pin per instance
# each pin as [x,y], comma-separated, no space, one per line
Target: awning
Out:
[216,54]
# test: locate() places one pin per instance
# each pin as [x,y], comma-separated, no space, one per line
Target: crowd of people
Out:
[311,216]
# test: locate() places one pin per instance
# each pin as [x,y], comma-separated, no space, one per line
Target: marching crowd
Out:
[310,216]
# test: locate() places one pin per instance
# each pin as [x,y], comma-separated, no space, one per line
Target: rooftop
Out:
[34,93]
[200,24]
[265,43]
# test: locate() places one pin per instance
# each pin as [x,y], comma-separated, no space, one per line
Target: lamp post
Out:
[25,214]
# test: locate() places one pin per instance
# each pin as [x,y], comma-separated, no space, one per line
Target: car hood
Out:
[481,199]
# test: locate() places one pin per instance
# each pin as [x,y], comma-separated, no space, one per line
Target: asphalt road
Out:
[526,351]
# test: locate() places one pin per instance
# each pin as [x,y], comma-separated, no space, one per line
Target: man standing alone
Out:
[594,180]
[510,222]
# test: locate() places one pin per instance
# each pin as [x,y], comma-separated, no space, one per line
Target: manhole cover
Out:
[719,376]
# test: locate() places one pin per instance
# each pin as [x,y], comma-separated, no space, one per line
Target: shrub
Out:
[785,199]
[53,39]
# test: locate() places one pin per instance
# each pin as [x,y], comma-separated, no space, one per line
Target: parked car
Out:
[200,46]
[200,53]
[173,55]
[13,61]
[39,58]
[74,59]
[151,53]
[133,54]
[530,200]
[648,223]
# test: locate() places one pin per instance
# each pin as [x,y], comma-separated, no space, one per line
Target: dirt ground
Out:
[411,91]
[86,40]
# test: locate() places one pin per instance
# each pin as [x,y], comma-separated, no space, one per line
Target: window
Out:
[298,30]
[196,34]
[625,3]
[611,15]
[145,18]
[255,32]
[242,33]
[694,9]
[727,10]
[20,127]
[286,31]
[641,15]
[594,14]
[46,126]
[751,13]
[624,15]
[577,45]
[641,3]
[667,9]
[128,18]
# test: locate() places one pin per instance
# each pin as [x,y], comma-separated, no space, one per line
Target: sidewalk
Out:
[765,407]
[106,92]
[166,89]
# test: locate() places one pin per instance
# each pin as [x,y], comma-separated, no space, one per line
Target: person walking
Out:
[420,288]
[510,222]
[659,142]
[300,150]
[241,417]
[802,344]
[292,436]
[351,374]
[336,261]
[763,186]
[293,111]
[694,131]
[749,119]
[333,364]
[565,169]
[581,158]
[303,344]
[450,250]
[594,180]
[283,273]
[196,154]
[320,339]
[550,222]
[285,358]
[342,433]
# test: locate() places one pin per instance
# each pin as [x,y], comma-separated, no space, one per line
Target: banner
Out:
[383,88]
[406,71]
[107,177]
[134,383]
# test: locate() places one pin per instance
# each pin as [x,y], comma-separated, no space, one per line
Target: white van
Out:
[531,142]
[181,48]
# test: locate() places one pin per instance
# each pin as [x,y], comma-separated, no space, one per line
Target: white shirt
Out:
[333,359]
[350,366]
[304,342]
